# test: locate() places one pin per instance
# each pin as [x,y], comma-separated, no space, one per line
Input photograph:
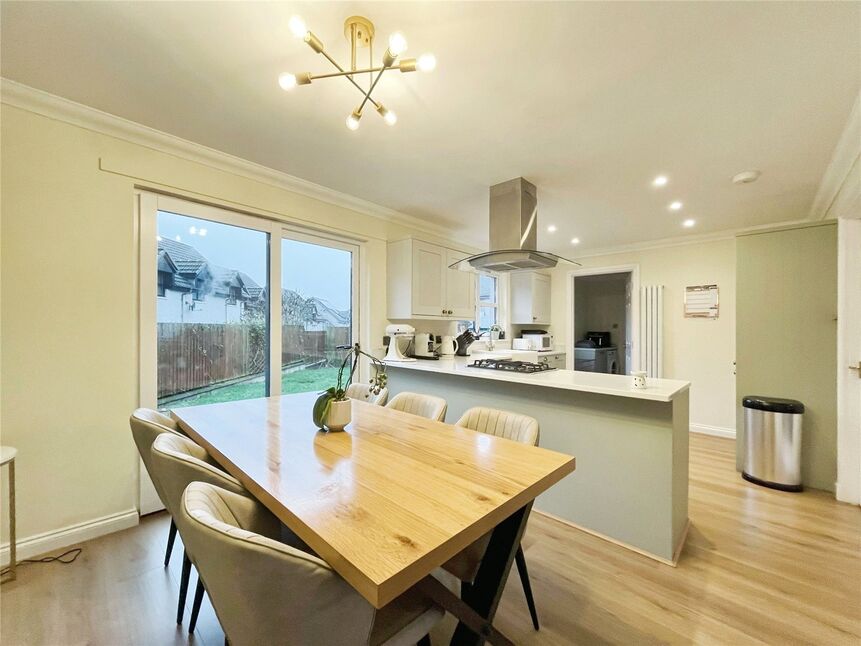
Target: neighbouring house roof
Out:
[185,258]
[328,314]
[187,265]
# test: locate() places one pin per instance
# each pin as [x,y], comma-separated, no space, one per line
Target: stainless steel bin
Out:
[772,442]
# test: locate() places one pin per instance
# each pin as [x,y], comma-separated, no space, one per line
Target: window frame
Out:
[147,206]
[495,305]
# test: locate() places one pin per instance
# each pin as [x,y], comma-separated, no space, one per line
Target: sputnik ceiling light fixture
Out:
[360,33]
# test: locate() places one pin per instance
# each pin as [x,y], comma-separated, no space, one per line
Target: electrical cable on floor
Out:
[63,558]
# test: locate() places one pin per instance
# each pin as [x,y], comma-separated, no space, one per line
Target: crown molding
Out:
[681,241]
[840,189]
[55,107]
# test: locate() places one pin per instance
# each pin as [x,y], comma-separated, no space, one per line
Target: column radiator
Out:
[652,330]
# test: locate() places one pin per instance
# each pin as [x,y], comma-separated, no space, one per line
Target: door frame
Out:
[147,204]
[634,270]
[848,487]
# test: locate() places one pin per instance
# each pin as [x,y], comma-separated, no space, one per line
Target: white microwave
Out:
[539,342]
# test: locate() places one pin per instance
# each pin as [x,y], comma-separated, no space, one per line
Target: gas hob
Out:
[507,365]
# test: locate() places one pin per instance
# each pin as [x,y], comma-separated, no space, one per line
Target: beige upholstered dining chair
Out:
[177,461]
[146,425]
[512,426]
[363,393]
[266,592]
[422,405]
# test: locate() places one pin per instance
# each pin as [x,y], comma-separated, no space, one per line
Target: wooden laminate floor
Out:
[759,566]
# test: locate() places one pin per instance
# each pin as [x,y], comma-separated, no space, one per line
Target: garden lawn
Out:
[298,381]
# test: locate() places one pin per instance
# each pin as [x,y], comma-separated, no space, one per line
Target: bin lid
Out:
[773,404]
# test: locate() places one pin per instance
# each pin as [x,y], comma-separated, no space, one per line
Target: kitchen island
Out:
[631,482]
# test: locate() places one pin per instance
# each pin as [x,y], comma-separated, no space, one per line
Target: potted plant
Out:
[332,410]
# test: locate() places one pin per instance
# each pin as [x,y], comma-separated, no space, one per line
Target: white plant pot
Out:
[340,414]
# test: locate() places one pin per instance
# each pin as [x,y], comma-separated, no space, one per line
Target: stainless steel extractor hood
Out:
[513,232]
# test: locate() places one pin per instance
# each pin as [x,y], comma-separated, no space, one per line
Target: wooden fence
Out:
[194,355]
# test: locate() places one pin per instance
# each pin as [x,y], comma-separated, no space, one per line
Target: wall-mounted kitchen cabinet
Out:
[420,284]
[530,298]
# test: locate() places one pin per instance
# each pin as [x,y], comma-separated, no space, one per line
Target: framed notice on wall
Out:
[701,301]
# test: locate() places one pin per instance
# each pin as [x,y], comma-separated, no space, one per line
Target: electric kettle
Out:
[448,346]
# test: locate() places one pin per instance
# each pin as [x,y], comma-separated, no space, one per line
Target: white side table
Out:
[7,456]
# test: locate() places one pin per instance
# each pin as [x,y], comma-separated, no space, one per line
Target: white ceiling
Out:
[589,101]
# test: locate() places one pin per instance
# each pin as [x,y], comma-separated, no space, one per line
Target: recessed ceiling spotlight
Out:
[660,180]
[676,206]
[551,228]
[689,223]
[746,177]
[575,240]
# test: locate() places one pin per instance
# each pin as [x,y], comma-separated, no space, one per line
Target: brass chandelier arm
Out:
[347,74]
[371,89]
[315,77]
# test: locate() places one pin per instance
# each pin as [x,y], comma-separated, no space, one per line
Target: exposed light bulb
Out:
[158,238]
[427,62]
[689,223]
[287,81]
[575,240]
[201,232]
[298,27]
[353,121]
[676,206]
[192,230]
[178,238]
[660,180]
[397,44]
[388,115]
[551,228]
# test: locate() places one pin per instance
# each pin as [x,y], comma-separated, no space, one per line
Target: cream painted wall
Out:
[69,283]
[787,334]
[698,350]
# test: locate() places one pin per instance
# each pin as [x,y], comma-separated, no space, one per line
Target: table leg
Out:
[13,557]
[485,592]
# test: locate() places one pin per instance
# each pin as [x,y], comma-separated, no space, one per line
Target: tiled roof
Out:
[185,257]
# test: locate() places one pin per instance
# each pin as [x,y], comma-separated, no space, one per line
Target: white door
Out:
[459,288]
[429,275]
[629,341]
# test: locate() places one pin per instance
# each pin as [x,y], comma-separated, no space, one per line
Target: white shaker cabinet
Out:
[420,284]
[530,298]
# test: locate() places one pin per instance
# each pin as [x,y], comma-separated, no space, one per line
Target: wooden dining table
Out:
[388,500]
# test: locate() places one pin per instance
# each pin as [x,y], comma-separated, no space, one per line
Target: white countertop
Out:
[663,390]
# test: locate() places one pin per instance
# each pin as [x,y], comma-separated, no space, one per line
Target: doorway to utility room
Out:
[604,323]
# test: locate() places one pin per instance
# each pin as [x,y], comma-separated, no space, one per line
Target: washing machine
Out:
[597,360]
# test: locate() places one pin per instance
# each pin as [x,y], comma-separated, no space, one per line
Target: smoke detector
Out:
[746,177]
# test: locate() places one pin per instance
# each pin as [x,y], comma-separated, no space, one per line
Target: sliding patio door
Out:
[234,306]
[318,309]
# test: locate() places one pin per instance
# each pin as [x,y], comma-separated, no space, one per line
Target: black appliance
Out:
[600,339]
[464,340]
[507,365]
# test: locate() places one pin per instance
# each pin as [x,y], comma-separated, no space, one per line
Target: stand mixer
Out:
[396,334]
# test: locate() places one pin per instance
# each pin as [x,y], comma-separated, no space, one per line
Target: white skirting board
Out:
[71,535]
[705,429]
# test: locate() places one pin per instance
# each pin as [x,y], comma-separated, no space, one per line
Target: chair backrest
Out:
[177,461]
[263,591]
[362,392]
[502,423]
[422,405]
[147,425]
